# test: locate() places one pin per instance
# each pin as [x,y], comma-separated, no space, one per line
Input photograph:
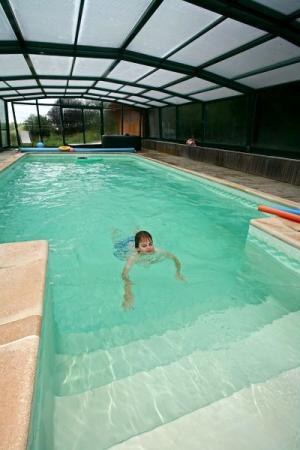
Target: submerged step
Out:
[136,328]
[262,416]
[77,373]
[124,408]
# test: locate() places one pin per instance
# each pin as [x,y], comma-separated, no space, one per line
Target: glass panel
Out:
[75,91]
[117,95]
[3,125]
[264,55]
[111,105]
[135,98]
[92,124]
[107,85]
[168,122]
[92,102]
[8,92]
[224,37]
[227,122]
[98,92]
[73,125]
[13,65]
[272,77]
[22,83]
[3,85]
[127,102]
[27,101]
[51,65]
[51,128]
[4,138]
[112,120]
[47,100]
[215,94]
[131,89]
[117,20]
[286,7]
[73,102]
[6,32]
[12,128]
[91,67]
[52,82]
[177,100]
[28,125]
[161,77]
[172,24]
[128,71]
[155,94]
[2,115]
[191,85]
[131,121]
[53,90]
[44,21]
[30,91]
[81,82]
[154,103]
[153,123]
[277,119]
[189,121]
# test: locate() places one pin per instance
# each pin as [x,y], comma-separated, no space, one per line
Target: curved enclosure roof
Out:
[146,52]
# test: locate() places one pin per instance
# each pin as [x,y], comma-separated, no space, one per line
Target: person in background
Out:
[191,141]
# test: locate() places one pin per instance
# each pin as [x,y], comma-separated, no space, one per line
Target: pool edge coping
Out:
[24,263]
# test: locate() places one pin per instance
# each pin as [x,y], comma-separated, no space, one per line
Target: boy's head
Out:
[143,242]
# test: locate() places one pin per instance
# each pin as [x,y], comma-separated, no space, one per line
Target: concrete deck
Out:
[266,185]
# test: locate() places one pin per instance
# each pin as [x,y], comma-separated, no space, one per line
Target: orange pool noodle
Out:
[279,213]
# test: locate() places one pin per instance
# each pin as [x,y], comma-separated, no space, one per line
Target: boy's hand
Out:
[127,303]
[179,276]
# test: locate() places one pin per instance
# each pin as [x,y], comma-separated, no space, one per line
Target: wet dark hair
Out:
[140,235]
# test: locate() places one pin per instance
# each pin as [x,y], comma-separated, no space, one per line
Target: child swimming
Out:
[143,252]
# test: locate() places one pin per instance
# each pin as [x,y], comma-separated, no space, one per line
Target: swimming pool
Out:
[107,375]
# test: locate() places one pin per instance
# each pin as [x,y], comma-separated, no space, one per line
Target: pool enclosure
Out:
[226,73]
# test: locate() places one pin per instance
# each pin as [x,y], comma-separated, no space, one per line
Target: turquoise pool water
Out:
[106,374]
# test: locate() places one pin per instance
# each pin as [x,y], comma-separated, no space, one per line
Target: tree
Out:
[31,124]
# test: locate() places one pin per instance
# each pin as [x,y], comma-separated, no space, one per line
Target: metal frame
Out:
[63,106]
[249,12]
[245,11]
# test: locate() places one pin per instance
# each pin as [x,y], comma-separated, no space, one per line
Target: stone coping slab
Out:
[9,161]
[282,229]
[17,373]
[22,279]
[22,282]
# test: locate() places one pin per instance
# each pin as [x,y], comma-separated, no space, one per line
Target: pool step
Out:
[263,416]
[137,326]
[77,373]
[125,408]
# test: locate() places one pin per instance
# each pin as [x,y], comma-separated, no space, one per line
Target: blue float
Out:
[289,210]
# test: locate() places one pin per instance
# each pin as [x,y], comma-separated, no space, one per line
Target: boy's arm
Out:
[176,262]
[128,296]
